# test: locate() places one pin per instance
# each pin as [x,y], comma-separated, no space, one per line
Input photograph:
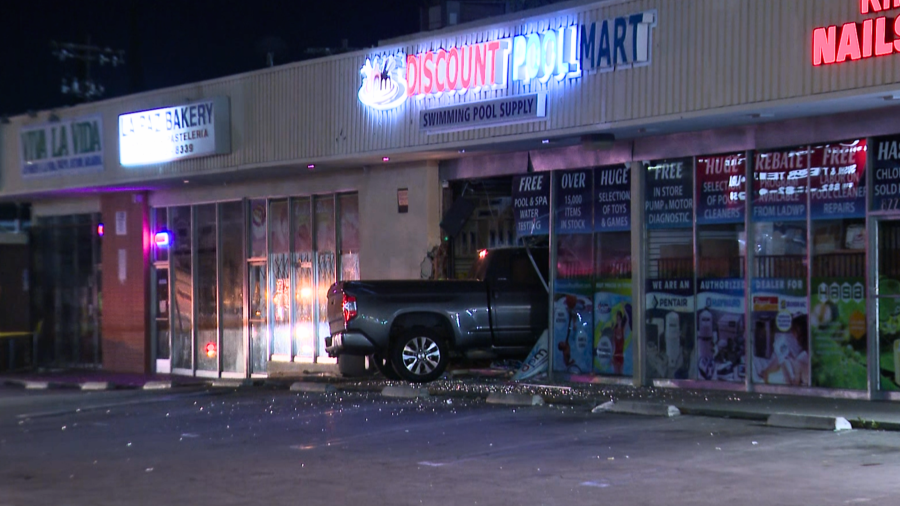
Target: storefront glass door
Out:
[259,329]
[888,305]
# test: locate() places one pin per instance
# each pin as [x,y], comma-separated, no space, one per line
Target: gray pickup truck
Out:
[410,329]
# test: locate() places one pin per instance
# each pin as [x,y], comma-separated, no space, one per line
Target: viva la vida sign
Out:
[533,58]
[71,145]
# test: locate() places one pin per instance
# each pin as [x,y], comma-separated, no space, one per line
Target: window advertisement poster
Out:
[612,207]
[572,323]
[889,338]
[574,209]
[531,204]
[670,328]
[780,337]
[573,317]
[886,175]
[837,180]
[721,200]
[780,182]
[721,189]
[612,327]
[838,322]
[669,194]
[720,329]
[837,183]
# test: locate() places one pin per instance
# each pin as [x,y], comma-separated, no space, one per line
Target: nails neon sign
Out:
[879,36]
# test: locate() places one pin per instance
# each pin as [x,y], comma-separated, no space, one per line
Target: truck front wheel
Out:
[419,355]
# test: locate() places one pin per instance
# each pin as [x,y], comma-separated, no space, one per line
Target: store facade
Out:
[718,183]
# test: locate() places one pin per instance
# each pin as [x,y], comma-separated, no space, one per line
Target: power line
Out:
[84,87]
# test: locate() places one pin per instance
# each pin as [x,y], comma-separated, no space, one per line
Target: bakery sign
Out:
[173,133]
[877,35]
[555,53]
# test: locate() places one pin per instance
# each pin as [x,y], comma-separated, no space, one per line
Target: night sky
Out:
[172,42]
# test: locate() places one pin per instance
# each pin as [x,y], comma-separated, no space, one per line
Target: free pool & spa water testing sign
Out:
[174,133]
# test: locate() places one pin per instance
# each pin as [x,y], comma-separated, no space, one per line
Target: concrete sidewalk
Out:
[95,380]
[806,412]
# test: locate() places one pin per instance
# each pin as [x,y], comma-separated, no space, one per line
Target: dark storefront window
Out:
[181,273]
[67,293]
[838,294]
[349,218]
[888,302]
[280,277]
[668,206]
[485,220]
[244,282]
[721,267]
[304,277]
[231,285]
[573,315]
[160,257]
[325,265]
[779,303]
[613,321]
[207,293]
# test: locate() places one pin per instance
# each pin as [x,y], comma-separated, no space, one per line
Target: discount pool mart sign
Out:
[556,53]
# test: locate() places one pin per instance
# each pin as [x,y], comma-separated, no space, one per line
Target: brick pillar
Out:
[125,266]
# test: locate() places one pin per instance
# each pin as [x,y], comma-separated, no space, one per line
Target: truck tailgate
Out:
[335,309]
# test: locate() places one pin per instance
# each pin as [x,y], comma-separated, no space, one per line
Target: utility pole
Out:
[83,87]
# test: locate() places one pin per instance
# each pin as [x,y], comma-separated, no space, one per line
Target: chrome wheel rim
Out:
[421,356]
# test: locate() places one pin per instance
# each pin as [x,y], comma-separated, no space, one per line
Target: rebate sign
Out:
[173,133]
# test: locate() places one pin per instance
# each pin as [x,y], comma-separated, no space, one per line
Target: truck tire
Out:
[419,355]
[352,366]
[383,365]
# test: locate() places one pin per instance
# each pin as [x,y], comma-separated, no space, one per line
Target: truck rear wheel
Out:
[383,365]
[419,355]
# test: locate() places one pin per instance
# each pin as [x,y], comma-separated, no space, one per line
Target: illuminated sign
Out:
[503,111]
[552,53]
[384,82]
[560,52]
[62,147]
[388,80]
[618,43]
[879,36]
[460,69]
[161,239]
[174,133]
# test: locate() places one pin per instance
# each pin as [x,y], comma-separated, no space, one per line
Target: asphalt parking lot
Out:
[239,446]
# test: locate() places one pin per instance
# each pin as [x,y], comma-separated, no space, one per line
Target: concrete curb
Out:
[513,399]
[809,422]
[36,385]
[311,387]
[637,408]
[96,385]
[230,383]
[724,413]
[157,385]
[405,392]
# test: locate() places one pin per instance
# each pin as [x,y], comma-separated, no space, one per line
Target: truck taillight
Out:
[349,306]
